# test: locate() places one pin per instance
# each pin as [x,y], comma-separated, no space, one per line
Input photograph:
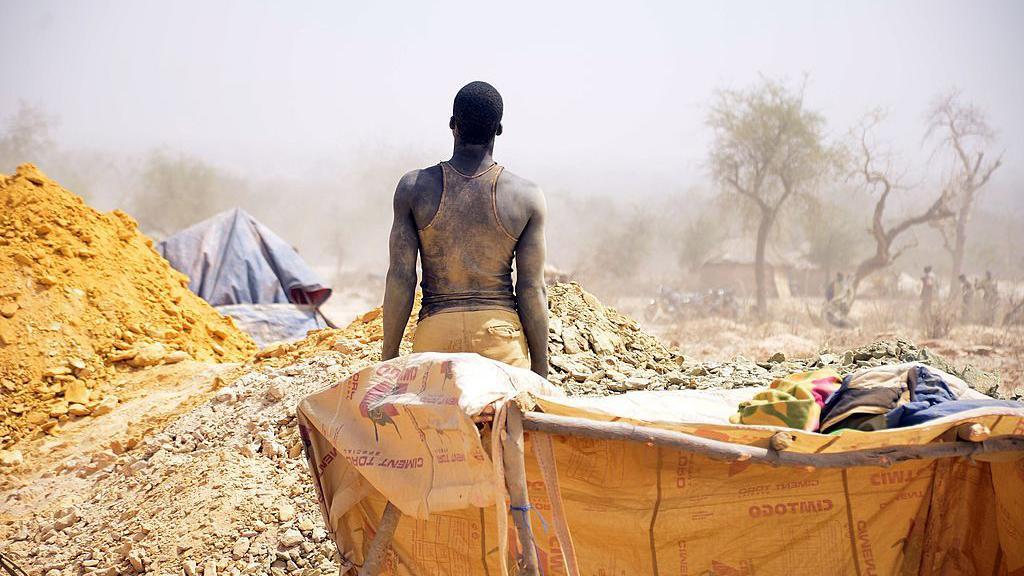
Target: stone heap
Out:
[224,489]
[595,350]
[82,295]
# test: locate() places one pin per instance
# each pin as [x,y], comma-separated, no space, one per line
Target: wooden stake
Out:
[381,541]
[718,450]
[514,461]
[973,432]
[781,441]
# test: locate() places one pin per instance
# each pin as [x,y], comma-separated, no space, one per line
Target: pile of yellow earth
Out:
[82,295]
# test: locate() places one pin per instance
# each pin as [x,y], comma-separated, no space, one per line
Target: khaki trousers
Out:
[494,334]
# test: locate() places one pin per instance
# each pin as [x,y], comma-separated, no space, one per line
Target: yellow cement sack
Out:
[637,509]
[404,428]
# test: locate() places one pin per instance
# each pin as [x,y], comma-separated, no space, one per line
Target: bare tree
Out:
[767,147]
[875,168]
[961,129]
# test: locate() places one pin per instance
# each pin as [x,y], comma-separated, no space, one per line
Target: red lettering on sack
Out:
[327,459]
[895,476]
[783,508]
[682,470]
[866,553]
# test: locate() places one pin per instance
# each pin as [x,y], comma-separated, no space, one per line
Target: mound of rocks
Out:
[82,295]
[224,489]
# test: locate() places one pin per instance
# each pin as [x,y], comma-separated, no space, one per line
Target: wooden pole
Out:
[781,441]
[716,449]
[973,432]
[381,541]
[514,461]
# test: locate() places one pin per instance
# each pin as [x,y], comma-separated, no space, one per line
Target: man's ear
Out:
[498,133]
[451,123]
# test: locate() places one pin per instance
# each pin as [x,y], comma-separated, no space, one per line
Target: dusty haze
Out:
[308,115]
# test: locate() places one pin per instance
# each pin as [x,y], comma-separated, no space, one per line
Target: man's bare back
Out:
[469,219]
[518,199]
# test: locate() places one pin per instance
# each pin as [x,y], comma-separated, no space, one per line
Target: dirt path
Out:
[149,400]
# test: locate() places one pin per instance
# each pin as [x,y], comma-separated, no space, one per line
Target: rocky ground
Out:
[203,474]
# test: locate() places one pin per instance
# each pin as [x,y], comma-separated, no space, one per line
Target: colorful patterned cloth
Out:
[864,394]
[792,402]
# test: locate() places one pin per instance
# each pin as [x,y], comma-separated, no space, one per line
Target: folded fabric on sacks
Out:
[865,394]
[931,397]
[913,416]
[882,397]
[793,402]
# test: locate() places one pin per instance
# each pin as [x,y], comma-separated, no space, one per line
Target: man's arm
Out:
[531,295]
[400,290]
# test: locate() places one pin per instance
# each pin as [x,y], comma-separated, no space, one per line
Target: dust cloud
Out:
[608,112]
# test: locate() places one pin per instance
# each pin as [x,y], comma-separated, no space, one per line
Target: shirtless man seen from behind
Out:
[469,220]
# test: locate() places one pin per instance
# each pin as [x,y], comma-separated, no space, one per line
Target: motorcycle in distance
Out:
[671,305]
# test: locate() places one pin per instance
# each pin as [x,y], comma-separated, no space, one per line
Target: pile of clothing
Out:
[878,398]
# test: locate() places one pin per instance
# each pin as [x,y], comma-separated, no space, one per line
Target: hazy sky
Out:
[610,90]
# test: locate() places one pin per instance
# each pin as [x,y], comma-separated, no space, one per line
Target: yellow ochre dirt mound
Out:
[83,294]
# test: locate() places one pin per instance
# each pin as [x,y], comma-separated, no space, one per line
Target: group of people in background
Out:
[979,299]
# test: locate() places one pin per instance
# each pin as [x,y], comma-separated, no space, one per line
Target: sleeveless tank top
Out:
[466,253]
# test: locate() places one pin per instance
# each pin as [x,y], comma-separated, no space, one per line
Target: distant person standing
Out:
[927,294]
[966,299]
[834,287]
[989,289]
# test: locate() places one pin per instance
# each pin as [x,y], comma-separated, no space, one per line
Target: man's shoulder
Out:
[421,179]
[523,189]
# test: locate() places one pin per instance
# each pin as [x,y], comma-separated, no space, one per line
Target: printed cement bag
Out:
[404,429]
[638,509]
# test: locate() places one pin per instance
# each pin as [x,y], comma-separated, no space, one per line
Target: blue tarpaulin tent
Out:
[235,262]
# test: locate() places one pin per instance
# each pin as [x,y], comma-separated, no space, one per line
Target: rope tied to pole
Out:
[543,524]
[526,511]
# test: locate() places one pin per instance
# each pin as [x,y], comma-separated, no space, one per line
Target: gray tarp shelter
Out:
[237,264]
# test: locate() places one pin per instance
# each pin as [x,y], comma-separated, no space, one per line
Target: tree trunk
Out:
[959,249]
[760,282]
[865,269]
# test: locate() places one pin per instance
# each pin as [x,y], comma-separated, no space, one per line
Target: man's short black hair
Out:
[477,112]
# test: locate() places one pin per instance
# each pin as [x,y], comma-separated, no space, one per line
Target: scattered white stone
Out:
[285,511]
[277,389]
[240,548]
[291,537]
[135,559]
[11,458]
[177,356]
[106,405]
[66,521]
[226,396]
